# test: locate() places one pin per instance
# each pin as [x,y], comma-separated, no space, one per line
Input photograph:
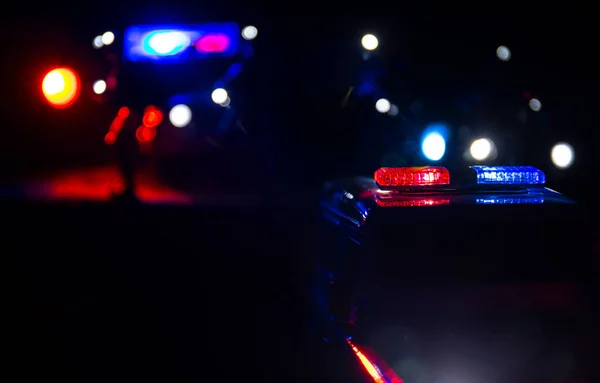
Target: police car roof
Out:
[356,198]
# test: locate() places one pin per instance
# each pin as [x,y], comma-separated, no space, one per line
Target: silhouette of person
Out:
[128,152]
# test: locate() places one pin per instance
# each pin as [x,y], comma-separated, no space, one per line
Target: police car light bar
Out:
[413,176]
[509,175]
[180,43]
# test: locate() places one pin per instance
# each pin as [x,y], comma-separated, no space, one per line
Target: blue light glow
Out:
[165,43]
[509,175]
[233,71]
[365,88]
[433,141]
[433,146]
[510,200]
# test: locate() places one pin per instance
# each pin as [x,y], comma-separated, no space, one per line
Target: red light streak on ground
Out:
[101,184]
[374,369]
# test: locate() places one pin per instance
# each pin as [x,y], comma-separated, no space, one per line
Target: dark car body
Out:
[460,284]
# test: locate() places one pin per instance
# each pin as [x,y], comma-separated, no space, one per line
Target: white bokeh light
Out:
[369,42]
[383,105]
[219,96]
[180,115]
[535,104]
[249,32]
[503,53]
[99,86]
[434,146]
[108,38]
[226,103]
[562,155]
[98,42]
[481,149]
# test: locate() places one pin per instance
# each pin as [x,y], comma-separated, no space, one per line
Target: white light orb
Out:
[219,96]
[481,149]
[383,105]
[180,115]
[562,155]
[108,38]
[369,42]
[249,32]
[503,53]
[99,86]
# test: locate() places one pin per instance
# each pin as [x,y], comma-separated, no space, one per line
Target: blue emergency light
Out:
[180,43]
[509,175]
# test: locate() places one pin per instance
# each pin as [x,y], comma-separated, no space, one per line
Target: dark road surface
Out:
[106,292]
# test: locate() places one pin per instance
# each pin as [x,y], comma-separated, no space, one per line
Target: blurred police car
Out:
[479,278]
[181,78]
[174,88]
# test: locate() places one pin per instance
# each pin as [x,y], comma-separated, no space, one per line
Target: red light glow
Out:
[152,117]
[145,133]
[213,43]
[412,202]
[116,125]
[101,184]
[123,112]
[110,138]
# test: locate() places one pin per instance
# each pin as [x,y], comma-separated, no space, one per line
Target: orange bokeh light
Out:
[61,87]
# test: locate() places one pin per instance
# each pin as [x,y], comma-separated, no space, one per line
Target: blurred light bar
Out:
[171,43]
[413,176]
[509,175]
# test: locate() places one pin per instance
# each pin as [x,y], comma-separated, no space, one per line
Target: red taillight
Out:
[414,176]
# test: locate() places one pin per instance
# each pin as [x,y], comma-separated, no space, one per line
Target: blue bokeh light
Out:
[433,144]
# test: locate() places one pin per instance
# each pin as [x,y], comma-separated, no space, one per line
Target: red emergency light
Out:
[412,176]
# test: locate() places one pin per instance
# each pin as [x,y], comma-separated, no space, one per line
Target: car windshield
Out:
[484,244]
